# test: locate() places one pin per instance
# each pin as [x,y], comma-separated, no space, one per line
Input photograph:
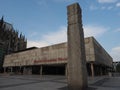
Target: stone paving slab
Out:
[36,82]
[32,82]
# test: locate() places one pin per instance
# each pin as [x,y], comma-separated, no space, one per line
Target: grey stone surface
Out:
[77,72]
[111,83]
[33,82]
[36,82]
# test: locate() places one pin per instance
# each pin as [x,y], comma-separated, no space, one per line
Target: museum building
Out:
[52,60]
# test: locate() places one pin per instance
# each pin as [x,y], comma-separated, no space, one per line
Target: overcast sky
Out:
[44,22]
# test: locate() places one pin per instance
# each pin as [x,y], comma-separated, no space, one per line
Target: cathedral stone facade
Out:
[11,41]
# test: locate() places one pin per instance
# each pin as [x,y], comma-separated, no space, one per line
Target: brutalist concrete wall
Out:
[101,56]
[54,54]
[89,49]
[37,56]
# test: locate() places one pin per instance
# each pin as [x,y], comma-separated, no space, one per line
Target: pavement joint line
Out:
[100,82]
[14,85]
[35,81]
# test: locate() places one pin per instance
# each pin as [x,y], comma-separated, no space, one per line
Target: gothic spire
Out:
[1,21]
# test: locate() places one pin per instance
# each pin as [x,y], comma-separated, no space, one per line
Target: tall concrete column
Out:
[41,70]
[24,70]
[101,71]
[20,70]
[11,69]
[106,71]
[77,72]
[92,69]
[66,70]
[4,69]
[30,70]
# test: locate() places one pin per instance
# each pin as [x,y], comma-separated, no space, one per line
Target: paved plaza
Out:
[36,82]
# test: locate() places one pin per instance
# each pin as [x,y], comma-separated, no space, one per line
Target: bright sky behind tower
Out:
[44,22]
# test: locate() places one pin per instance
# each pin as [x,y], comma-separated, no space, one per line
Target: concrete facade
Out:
[54,54]
[96,53]
[57,55]
[77,72]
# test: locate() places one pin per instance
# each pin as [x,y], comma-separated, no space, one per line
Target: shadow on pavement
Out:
[66,88]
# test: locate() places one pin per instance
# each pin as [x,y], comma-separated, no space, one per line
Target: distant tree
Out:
[118,68]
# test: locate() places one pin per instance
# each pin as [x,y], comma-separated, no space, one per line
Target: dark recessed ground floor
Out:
[57,69]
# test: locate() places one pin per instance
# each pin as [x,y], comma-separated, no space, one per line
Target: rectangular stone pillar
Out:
[20,71]
[41,69]
[77,72]
[106,71]
[24,70]
[30,70]
[11,69]
[101,71]
[92,69]
[4,69]
[66,70]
